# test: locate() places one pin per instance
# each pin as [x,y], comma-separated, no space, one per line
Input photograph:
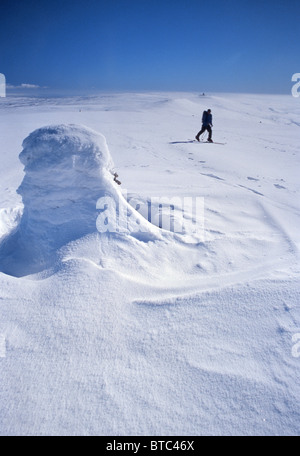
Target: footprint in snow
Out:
[279,186]
[251,190]
[213,176]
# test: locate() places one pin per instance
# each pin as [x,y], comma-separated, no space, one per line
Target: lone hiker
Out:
[206,125]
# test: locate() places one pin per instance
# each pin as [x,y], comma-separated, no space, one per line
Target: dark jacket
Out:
[206,119]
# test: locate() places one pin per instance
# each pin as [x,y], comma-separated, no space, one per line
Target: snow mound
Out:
[68,179]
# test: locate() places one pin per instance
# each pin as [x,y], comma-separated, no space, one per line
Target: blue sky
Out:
[217,46]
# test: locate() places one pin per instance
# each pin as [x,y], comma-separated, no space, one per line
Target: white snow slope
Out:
[113,325]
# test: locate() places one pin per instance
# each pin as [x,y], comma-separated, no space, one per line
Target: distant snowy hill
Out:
[169,304]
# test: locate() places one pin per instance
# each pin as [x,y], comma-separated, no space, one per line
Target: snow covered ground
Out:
[115,326]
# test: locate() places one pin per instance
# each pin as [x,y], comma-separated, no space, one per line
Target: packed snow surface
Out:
[169,304]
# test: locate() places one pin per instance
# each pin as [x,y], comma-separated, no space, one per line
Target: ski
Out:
[208,142]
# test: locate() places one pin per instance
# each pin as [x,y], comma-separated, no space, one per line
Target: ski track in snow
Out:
[149,332]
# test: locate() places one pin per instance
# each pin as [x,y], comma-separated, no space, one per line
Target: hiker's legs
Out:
[208,128]
[200,132]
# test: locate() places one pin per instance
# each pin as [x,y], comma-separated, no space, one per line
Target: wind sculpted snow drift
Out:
[68,181]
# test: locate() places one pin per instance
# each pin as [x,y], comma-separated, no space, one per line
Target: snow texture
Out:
[113,322]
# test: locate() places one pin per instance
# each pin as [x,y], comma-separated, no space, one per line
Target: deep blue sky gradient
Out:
[217,46]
